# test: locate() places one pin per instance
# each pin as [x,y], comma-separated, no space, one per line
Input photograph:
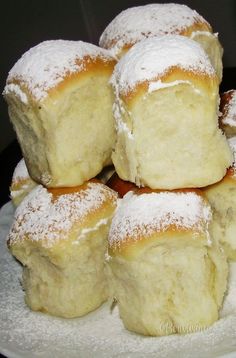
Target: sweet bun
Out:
[166,274]
[21,183]
[137,23]
[166,114]
[60,104]
[122,187]
[228,113]
[222,197]
[60,237]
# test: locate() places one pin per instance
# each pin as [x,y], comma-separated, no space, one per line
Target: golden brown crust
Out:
[130,248]
[56,192]
[90,66]
[53,217]
[87,66]
[187,31]
[230,177]
[200,80]
[130,245]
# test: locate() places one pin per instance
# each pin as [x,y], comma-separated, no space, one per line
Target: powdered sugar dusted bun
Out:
[145,215]
[137,23]
[228,113]
[160,251]
[232,144]
[60,236]
[21,183]
[59,126]
[166,97]
[222,197]
[155,59]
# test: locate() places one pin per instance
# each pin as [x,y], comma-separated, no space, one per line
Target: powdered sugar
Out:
[14,88]
[46,65]
[25,334]
[152,58]
[84,232]
[156,85]
[20,172]
[202,33]
[137,23]
[43,217]
[141,215]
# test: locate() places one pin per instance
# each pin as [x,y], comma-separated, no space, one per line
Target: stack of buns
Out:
[146,100]
[60,104]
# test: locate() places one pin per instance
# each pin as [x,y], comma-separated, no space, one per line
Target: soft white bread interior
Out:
[222,197]
[227,116]
[60,237]
[212,46]
[21,183]
[60,104]
[137,23]
[166,113]
[166,273]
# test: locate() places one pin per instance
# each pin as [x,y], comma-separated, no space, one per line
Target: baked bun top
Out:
[137,23]
[153,60]
[228,108]
[46,65]
[146,213]
[49,215]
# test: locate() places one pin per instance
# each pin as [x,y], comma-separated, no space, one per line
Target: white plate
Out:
[28,334]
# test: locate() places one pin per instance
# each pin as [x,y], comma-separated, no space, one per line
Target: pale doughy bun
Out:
[21,184]
[228,113]
[137,23]
[222,197]
[60,104]
[166,115]
[60,237]
[166,274]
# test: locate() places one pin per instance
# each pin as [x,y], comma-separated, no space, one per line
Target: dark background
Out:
[25,23]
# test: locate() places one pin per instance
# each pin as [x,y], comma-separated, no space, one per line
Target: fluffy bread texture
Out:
[222,197]
[137,23]
[21,184]
[227,116]
[166,275]
[60,237]
[60,104]
[167,116]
